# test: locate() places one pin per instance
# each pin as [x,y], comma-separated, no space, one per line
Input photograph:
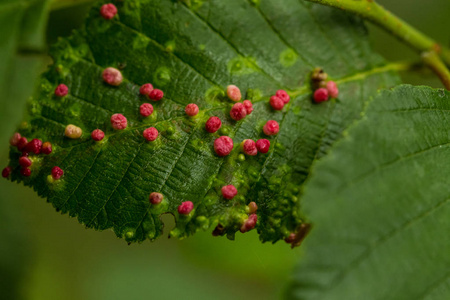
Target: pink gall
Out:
[332,89]
[249,147]
[57,173]
[271,127]
[250,223]
[25,162]
[34,146]
[146,89]
[185,208]
[146,109]
[155,198]
[234,93]
[14,140]
[119,122]
[283,95]
[6,172]
[156,95]
[46,148]
[229,192]
[112,76]
[238,111]
[108,11]
[61,90]
[248,106]
[223,145]
[321,95]
[263,145]
[213,124]
[276,103]
[151,134]
[191,109]
[25,172]
[97,135]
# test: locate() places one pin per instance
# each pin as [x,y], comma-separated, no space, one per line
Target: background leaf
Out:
[21,51]
[380,205]
[193,51]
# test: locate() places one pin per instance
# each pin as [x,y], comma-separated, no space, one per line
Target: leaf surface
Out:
[380,205]
[192,50]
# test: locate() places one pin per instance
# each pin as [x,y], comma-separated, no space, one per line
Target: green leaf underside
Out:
[380,205]
[192,51]
[21,42]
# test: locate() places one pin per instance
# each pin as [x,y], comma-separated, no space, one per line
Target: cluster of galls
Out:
[324,89]
[29,149]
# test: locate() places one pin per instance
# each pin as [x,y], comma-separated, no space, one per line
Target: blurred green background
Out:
[45,255]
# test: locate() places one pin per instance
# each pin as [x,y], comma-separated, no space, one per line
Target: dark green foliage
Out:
[192,50]
[380,206]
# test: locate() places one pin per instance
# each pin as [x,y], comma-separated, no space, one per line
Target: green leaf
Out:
[379,203]
[192,51]
[22,44]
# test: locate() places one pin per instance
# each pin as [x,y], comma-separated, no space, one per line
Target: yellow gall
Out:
[73,132]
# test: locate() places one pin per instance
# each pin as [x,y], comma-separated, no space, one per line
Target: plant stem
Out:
[372,11]
[432,60]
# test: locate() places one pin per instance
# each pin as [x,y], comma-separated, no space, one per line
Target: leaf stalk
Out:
[377,14]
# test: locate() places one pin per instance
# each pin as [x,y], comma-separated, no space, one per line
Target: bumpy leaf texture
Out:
[192,50]
[380,205]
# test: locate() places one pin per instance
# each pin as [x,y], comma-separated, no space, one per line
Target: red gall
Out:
[321,95]
[250,223]
[22,143]
[290,239]
[238,111]
[191,109]
[234,93]
[283,95]
[229,191]
[271,127]
[46,148]
[156,95]
[25,172]
[146,109]
[6,172]
[213,124]
[249,147]
[57,173]
[61,90]
[150,134]
[34,146]
[223,145]
[276,103]
[119,122]
[112,76]
[25,162]
[146,89]
[155,198]
[97,135]
[185,208]
[108,11]
[248,106]
[263,145]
